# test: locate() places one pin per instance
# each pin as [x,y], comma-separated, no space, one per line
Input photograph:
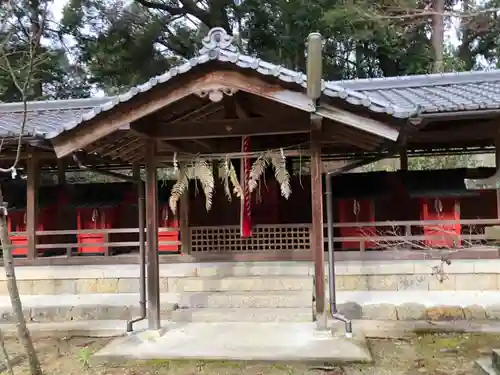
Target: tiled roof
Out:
[217,45]
[401,97]
[43,117]
[448,92]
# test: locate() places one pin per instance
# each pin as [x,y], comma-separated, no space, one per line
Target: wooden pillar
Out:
[403,160]
[153,272]
[33,174]
[317,240]
[497,165]
[136,171]
[61,172]
[184,223]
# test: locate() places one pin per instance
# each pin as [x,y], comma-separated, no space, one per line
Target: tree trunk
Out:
[438,35]
[464,50]
[5,355]
[22,330]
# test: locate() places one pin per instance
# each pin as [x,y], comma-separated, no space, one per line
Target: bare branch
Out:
[397,237]
[403,13]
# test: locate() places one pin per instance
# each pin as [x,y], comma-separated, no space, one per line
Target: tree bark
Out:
[438,35]
[5,355]
[22,329]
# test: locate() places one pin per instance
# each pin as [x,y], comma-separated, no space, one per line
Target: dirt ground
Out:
[425,354]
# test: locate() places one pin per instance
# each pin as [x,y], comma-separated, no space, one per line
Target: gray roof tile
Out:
[447,92]
[401,97]
[43,117]
[217,45]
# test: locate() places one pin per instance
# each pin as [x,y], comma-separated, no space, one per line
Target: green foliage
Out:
[31,46]
[84,357]
[116,44]
[441,162]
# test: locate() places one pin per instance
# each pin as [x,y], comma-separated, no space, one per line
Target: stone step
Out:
[243,315]
[484,366]
[76,313]
[252,299]
[495,359]
[61,308]
[240,284]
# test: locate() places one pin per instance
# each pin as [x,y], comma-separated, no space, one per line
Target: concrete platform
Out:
[274,342]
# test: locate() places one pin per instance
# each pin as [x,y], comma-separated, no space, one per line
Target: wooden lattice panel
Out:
[279,238]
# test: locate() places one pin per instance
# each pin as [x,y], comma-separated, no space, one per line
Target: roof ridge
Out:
[53,105]
[418,80]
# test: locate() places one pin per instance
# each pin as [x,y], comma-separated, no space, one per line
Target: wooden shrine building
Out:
[200,110]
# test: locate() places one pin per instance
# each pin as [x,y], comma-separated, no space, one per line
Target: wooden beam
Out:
[363,123]
[41,155]
[126,113]
[230,128]
[479,131]
[205,144]
[33,173]
[153,270]
[199,113]
[349,136]
[317,241]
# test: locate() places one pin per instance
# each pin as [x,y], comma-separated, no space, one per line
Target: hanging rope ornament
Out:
[246,202]
[438,205]
[164,215]
[356,208]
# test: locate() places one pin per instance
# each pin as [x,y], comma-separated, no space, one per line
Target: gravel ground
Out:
[437,354]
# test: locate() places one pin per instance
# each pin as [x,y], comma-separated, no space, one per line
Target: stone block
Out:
[411,311]
[351,282]
[43,287]
[107,286]
[238,284]
[350,310]
[380,267]
[413,282]
[482,281]
[25,286]
[449,283]
[47,314]
[3,287]
[65,286]
[486,266]
[85,286]
[456,266]
[440,313]
[7,316]
[81,313]
[115,313]
[382,311]
[474,312]
[253,269]
[166,312]
[164,285]
[128,285]
[382,282]
[493,312]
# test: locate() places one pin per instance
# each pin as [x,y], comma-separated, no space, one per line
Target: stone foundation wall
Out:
[461,275]
[397,290]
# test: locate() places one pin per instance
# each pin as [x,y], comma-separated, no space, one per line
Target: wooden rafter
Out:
[355,121]
[229,128]
[479,131]
[106,123]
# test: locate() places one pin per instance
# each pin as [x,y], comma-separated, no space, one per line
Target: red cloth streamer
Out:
[246,202]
